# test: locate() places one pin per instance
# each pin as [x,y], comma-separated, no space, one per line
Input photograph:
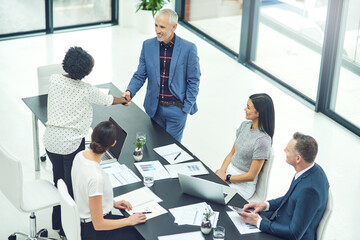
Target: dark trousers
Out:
[62,165]
[127,233]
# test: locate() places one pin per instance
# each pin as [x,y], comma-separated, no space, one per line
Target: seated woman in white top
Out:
[252,146]
[70,103]
[93,192]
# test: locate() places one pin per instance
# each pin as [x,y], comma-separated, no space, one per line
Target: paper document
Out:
[181,236]
[144,202]
[173,153]
[154,166]
[189,168]
[193,214]
[119,174]
[242,227]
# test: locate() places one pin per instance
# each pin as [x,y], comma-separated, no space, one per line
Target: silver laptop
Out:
[206,189]
[113,153]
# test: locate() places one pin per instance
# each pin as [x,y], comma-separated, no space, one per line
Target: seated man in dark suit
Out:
[297,214]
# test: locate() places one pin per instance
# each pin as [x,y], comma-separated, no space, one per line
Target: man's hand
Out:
[122,205]
[250,217]
[127,97]
[256,206]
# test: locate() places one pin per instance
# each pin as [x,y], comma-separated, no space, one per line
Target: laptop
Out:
[113,153]
[206,189]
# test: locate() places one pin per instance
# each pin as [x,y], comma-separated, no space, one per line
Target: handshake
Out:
[126,98]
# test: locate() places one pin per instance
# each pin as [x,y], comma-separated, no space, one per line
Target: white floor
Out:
[209,134]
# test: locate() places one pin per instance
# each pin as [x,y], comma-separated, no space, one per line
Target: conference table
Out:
[132,119]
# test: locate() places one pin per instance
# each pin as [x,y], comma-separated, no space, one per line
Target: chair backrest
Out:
[70,219]
[263,180]
[11,178]
[325,219]
[44,73]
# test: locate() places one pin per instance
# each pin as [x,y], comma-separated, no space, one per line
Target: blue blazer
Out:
[302,207]
[184,75]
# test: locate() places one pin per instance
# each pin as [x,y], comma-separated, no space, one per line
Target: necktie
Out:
[284,200]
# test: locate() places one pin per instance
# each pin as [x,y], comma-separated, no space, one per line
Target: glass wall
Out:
[77,12]
[346,87]
[219,19]
[21,16]
[292,32]
[25,17]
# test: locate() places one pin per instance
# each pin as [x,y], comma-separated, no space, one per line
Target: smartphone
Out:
[240,210]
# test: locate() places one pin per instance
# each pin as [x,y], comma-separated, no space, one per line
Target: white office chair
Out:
[325,219]
[27,197]
[262,184]
[44,73]
[70,219]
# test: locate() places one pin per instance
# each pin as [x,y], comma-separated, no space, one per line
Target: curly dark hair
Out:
[77,63]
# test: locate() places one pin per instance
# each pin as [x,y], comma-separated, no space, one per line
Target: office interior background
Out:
[304,53]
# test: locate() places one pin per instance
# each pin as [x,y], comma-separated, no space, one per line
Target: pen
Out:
[145,212]
[177,155]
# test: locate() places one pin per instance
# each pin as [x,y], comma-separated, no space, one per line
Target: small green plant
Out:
[207,214]
[153,5]
[138,143]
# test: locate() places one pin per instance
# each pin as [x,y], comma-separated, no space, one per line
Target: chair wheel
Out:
[12,237]
[43,158]
[43,233]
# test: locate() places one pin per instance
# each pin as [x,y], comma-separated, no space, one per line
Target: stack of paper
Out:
[193,214]
[173,153]
[242,227]
[143,200]
[188,168]
[120,174]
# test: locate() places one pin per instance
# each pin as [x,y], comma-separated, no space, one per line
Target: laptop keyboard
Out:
[106,156]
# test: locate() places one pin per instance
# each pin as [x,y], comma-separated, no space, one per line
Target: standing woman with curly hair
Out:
[70,102]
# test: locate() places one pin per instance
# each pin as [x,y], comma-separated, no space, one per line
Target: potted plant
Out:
[152,5]
[138,153]
[146,12]
[206,223]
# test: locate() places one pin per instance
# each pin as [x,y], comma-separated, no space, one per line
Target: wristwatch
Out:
[228,177]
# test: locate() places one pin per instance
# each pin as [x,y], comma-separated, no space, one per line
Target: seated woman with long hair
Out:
[93,192]
[252,146]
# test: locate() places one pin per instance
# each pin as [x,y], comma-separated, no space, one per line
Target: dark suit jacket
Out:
[184,75]
[302,207]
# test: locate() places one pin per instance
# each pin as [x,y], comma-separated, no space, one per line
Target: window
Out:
[78,12]
[346,88]
[21,16]
[219,19]
[291,32]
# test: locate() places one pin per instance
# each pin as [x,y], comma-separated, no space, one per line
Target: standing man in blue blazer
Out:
[171,66]
[297,214]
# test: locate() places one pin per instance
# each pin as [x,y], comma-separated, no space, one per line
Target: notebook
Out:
[113,153]
[206,189]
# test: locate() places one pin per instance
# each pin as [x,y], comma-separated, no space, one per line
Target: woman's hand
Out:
[122,205]
[136,218]
[222,174]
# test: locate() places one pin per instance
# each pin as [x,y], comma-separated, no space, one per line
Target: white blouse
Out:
[70,112]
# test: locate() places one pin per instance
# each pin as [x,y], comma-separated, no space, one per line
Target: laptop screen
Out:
[120,139]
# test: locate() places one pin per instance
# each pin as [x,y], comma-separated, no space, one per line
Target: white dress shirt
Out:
[70,112]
